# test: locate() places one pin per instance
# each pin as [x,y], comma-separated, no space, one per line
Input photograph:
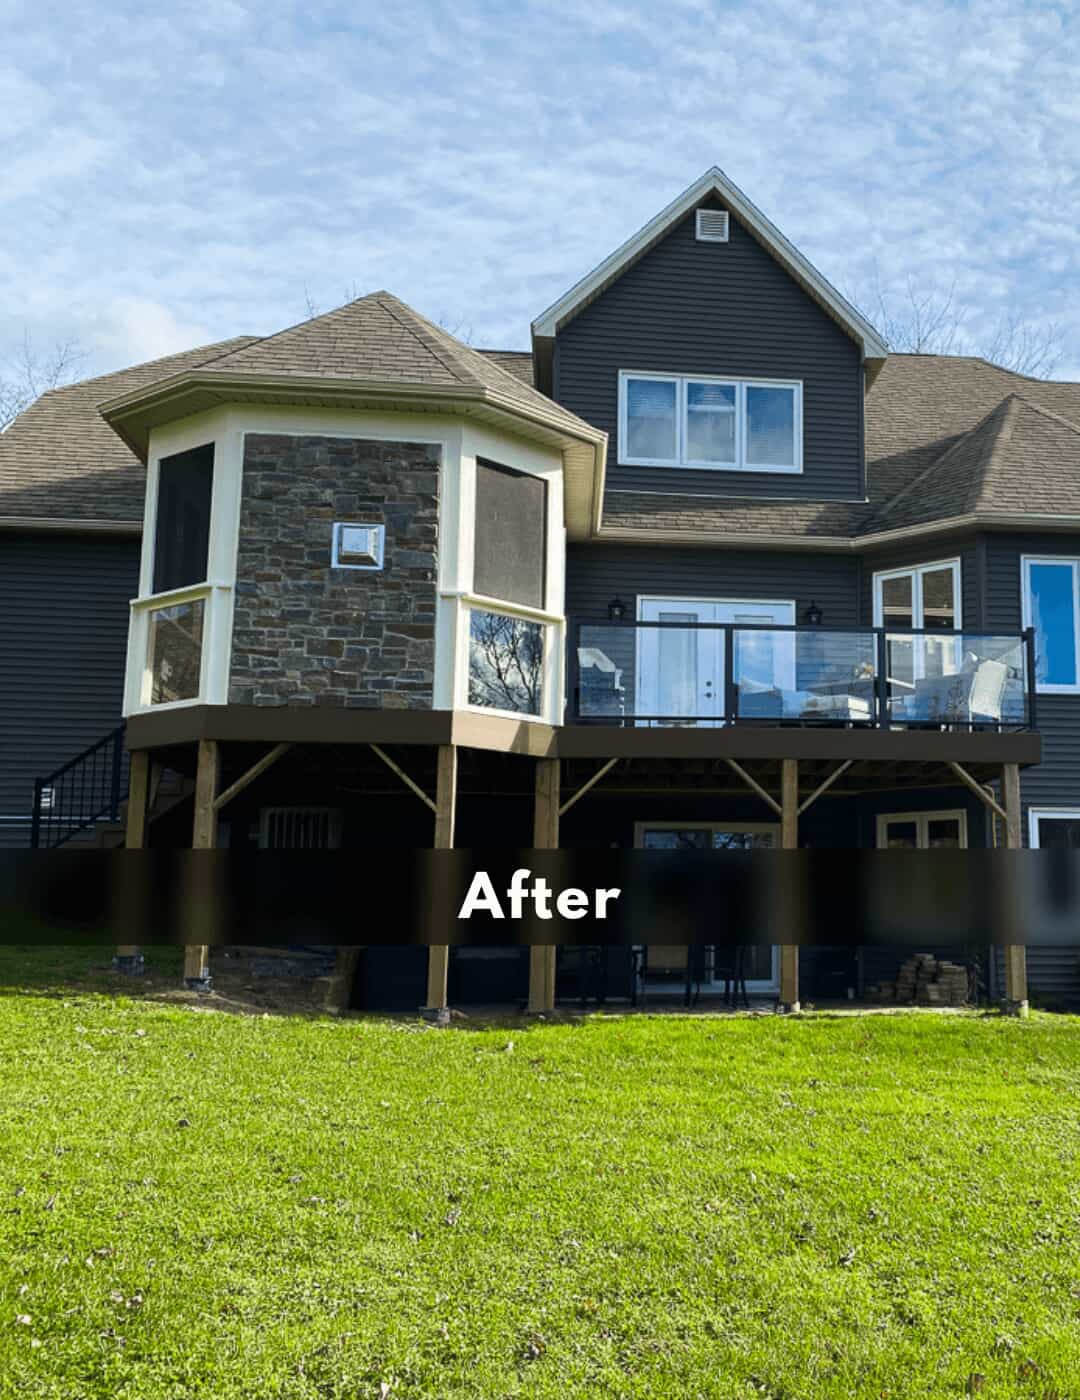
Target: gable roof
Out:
[59,460]
[713,182]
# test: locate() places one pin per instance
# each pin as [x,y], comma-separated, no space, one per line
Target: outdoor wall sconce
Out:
[812,616]
[616,610]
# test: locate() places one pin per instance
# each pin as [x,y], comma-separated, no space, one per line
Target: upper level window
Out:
[182,524]
[670,420]
[510,535]
[1051,604]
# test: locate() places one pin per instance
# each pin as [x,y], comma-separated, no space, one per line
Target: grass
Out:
[198,1204]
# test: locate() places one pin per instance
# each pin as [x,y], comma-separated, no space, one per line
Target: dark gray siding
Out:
[718,308]
[63,639]
[595,573]
[1056,781]
[1053,973]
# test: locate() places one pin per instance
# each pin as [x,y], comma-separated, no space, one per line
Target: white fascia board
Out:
[715,181]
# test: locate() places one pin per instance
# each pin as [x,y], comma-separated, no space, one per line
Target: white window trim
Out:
[552,683]
[680,460]
[1038,814]
[1066,561]
[457,596]
[916,571]
[922,821]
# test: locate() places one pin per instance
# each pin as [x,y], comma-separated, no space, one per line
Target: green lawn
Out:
[201,1204]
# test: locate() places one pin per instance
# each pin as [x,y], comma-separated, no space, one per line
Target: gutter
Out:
[67,526]
[1055,523]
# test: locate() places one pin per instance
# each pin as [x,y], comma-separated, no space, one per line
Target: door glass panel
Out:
[1052,615]
[943,832]
[901,835]
[744,840]
[940,656]
[676,839]
[939,600]
[650,419]
[1059,833]
[710,422]
[678,672]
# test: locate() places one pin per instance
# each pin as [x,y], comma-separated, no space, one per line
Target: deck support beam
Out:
[546,813]
[789,894]
[445,807]
[128,957]
[252,773]
[203,838]
[1016,988]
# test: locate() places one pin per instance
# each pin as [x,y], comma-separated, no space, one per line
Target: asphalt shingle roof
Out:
[60,460]
[945,435]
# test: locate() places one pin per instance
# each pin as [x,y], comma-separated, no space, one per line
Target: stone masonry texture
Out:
[308,634]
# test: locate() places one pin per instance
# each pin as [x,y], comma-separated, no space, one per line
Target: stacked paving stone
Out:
[925,981]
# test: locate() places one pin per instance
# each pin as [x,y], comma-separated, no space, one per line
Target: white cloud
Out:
[187,172]
[133,329]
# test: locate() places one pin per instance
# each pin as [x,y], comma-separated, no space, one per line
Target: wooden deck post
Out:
[203,838]
[445,814]
[1016,988]
[128,957]
[789,841]
[542,959]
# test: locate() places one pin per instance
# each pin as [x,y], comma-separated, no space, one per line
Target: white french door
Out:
[927,595]
[680,670]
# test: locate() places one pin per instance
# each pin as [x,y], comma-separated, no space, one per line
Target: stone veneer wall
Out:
[307,634]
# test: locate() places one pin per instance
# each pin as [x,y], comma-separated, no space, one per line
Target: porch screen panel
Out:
[182,525]
[511,535]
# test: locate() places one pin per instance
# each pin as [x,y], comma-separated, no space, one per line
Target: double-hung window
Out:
[700,421]
[1051,604]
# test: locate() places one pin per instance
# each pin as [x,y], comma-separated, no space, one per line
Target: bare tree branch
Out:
[26,375]
[930,321]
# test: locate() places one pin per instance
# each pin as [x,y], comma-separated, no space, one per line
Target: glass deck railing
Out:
[672,673]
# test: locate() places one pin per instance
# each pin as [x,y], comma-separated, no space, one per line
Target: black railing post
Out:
[730,692]
[117,766]
[882,687]
[1029,641]
[35,818]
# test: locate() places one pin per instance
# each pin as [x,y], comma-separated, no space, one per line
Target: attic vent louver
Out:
[712,226]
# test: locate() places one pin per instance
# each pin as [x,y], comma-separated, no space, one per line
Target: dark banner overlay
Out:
[504,897]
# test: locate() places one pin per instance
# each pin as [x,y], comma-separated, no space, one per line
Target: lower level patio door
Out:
[761,964]
[680,669]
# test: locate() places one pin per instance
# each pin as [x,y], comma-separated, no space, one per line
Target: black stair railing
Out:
[88,788]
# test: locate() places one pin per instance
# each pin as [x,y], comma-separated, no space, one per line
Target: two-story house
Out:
[709,568]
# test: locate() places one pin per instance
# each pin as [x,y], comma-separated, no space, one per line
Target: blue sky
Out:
[179,173]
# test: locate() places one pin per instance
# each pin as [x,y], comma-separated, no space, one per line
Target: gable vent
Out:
[712,226]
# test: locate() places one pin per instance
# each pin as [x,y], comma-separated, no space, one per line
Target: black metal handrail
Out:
[87,789]
[882,710]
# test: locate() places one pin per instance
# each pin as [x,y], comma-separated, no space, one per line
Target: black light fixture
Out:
[616,610]
[812,616]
